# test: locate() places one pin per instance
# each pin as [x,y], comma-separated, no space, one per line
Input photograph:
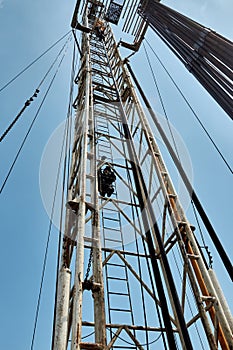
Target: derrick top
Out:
[124,14]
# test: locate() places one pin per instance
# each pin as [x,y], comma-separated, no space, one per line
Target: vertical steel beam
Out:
[98,286]
[79,264]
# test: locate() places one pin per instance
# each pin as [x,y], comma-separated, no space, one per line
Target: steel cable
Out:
[34,61]
[31,125]
[161,101]
[31,99]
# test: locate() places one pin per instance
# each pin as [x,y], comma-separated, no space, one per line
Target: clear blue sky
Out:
[27,28]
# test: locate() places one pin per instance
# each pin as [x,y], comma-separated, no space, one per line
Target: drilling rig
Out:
[132,274]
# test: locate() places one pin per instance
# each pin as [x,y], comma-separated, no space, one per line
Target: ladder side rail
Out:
[79,262]
[98,290]
[106,127]
[63,316]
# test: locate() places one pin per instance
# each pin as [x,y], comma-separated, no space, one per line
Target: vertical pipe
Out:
[79,264]
[62,310]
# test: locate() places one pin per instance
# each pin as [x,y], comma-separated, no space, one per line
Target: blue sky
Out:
[26,29]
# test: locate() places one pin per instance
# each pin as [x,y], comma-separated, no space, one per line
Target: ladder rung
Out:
[110,219]
[105,147]
[103,140]
[102,122]
[112,240]
[118,293]
[112,264]
[120,310]
[102,130]
[101,116]
[102,126]
[109,209]
[107,117]
[104,152]
[116,278]
[95,52]
[111,229]
[103,144]
[111,215]
[99,63]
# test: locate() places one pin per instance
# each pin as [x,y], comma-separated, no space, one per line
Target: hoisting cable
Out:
[32,123]
[34,61]
[191,108]
[225,259]
[161,101]
[48,240]
[31,99]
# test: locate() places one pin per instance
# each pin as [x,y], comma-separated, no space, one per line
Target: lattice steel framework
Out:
[131,275]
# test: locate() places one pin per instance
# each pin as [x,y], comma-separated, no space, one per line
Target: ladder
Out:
[116,274]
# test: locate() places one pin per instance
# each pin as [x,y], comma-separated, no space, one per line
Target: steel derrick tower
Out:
[132,275]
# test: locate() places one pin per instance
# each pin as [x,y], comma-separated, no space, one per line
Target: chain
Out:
[89,265]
